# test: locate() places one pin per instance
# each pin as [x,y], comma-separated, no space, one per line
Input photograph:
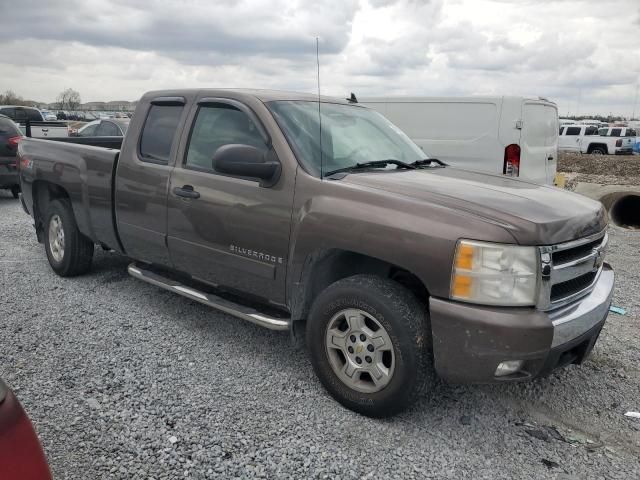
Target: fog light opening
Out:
[625,212]
[508,368]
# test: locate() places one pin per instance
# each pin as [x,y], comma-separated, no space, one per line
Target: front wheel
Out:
[368,339]
[69,252]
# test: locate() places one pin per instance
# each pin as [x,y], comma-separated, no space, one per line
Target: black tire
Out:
[598,151]
[15,191]
[78,249]
[406,321]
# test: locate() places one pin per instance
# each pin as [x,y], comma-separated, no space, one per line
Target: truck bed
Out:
[85,172]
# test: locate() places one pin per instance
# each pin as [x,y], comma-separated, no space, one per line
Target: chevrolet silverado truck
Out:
[322,218]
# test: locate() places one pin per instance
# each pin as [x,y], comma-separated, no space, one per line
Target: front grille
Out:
[570,270]
[566,256]
[573,286]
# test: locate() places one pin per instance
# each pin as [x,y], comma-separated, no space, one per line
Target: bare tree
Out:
[10,98]
[69,99]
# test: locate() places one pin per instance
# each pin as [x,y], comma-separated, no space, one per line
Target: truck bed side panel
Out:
[84,172]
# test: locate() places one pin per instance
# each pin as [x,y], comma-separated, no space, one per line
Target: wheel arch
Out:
[45,192]
[324,267]
[593,146]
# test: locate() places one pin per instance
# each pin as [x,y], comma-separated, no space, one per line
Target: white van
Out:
[515,136]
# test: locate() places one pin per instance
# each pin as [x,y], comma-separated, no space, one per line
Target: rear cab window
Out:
[159,132]
[615,132]
[573,131]
[591,131]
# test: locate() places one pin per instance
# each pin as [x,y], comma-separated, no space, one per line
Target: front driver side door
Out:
[230,231]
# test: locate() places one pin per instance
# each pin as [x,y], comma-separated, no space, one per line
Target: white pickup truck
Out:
[32,124]
[590,139]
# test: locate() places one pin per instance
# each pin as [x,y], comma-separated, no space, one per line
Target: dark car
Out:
[21,455]
[10,135]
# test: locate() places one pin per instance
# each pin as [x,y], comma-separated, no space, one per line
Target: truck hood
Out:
[534,214]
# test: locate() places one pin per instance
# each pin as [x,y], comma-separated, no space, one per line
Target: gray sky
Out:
[583,54]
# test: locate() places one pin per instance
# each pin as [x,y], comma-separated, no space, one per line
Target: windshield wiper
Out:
[427,162]
[372,164]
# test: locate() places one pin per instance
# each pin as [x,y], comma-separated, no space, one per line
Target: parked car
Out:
[48,116]
[32,123]
[104,128]
[10,136]
[21,455]
[511,136]
[396,267]
[590,139]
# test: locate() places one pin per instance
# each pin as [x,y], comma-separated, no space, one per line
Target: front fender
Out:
[402,231]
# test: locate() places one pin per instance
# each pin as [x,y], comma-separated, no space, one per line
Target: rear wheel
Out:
[69,252]
[598,151]
[368,341]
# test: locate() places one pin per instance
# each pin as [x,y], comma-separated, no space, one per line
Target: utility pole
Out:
[635,101]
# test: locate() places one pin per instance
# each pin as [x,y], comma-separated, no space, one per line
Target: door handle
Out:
[186,191]
[550,157]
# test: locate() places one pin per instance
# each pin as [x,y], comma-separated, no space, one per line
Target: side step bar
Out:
[237,310]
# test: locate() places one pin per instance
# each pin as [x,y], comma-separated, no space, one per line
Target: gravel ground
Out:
[123,380]
[602,169]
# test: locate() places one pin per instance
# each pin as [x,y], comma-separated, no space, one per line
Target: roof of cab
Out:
[262,95]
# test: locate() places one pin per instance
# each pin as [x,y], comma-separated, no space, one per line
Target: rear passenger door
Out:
[142,180]
[236,232]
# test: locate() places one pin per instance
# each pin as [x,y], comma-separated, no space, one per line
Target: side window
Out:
[108,129]
[33,114]
[158,132]
[591,131]
[573,131]
[219,125]
[20,114]
[88,131]
[615,132]
[9,112]
[603,132]
[561,130]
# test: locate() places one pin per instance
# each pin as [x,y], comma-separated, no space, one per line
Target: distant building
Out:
[121,106]
[112,106]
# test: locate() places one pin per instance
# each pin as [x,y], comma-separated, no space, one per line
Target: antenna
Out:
[319,116]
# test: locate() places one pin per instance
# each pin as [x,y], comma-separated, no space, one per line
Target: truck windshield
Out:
[350,135]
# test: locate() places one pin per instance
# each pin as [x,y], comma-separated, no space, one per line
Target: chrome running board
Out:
[209,299]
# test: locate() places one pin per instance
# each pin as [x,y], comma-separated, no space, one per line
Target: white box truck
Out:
[513,136]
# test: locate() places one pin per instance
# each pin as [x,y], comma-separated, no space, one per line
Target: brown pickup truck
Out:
[322,218]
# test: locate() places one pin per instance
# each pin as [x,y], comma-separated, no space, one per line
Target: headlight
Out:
[494,274]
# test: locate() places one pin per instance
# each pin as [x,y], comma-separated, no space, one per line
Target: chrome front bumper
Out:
[573,320]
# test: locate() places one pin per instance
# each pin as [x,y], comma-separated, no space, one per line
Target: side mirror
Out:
[246,161]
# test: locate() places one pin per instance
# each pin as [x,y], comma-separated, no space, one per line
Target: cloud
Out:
[121,48]
[192,32]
